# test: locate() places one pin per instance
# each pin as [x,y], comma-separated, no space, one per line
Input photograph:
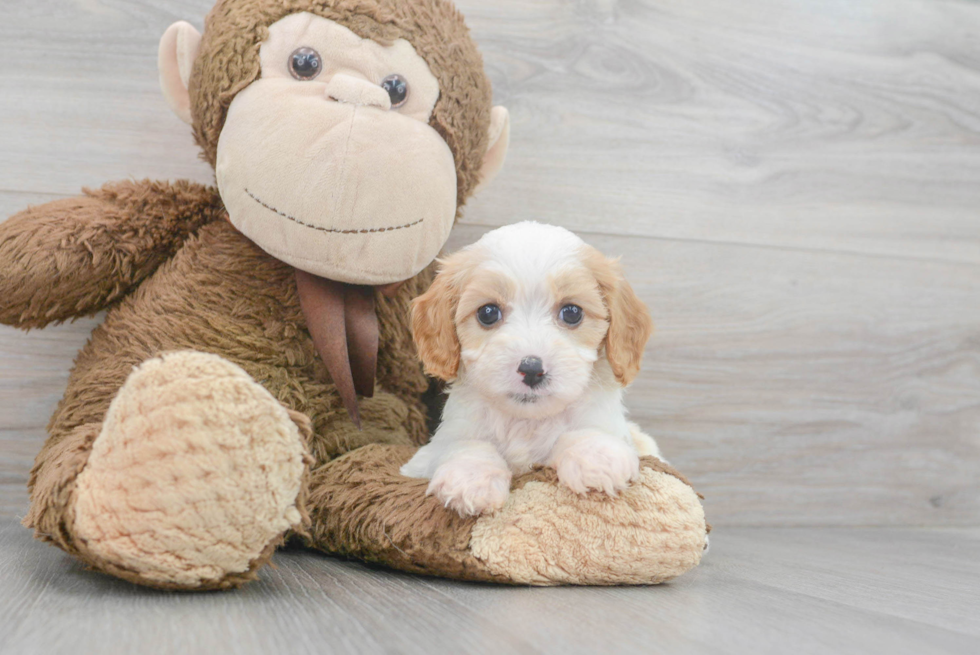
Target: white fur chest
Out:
[526,442]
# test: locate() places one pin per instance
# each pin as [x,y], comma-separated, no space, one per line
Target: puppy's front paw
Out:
[598,462]
[470,488]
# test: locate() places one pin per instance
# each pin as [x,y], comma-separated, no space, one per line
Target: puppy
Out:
[537,333]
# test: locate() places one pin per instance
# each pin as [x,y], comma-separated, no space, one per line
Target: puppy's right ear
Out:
[433,325]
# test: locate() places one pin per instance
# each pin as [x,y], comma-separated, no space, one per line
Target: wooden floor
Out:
[794,188]
[761,590]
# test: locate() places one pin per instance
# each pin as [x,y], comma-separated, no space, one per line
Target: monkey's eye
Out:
[488,315]
[397,88]
[570,315]
[305,63]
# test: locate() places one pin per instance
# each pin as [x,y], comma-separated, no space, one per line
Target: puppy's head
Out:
[522,316]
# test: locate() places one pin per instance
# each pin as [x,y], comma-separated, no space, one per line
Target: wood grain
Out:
[848,126]
[758,591]
[794,187]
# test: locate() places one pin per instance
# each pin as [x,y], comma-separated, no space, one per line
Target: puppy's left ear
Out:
[433,325]
[630,325]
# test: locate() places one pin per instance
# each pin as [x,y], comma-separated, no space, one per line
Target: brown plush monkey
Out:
[213,414]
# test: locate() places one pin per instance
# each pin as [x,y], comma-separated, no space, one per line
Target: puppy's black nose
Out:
[532,368]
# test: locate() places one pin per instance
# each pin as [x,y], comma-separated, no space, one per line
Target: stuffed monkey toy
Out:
[255,378]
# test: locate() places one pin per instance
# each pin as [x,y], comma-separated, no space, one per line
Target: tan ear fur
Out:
[433,322]
[630,325]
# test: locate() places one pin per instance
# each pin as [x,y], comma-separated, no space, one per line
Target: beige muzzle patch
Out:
[351,193]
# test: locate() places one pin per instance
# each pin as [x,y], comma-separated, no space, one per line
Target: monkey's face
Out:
[327,161]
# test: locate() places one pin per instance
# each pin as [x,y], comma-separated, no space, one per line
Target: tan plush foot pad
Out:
[193,479]
[544,535]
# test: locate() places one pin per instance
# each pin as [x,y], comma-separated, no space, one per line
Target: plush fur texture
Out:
[218,294]
[117,235]
[177,277]
[544,535]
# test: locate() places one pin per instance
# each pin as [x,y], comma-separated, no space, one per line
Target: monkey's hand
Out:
[77,256]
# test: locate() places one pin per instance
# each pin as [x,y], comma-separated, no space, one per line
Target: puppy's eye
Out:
[397,88]
[305,64]
[488,315]
[570,315]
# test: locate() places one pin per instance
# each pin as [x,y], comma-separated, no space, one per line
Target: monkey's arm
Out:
[76,256]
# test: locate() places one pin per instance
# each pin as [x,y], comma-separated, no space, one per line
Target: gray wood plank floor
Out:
[760,590]
[795,190]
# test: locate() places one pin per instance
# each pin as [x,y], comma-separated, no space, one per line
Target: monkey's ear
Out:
[493,161]
[178,50]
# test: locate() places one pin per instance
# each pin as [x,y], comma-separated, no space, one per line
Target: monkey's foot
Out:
[545,534]
[194,478]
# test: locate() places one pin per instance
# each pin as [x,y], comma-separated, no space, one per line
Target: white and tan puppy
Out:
[538,334]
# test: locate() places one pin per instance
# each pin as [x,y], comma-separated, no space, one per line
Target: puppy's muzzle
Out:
[532,368]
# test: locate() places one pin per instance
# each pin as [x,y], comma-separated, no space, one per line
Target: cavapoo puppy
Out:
[538,333]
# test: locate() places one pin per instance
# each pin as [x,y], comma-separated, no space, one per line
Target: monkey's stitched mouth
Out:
[332,230]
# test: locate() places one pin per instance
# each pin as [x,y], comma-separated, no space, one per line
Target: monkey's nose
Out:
[532,368]
[355,91]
